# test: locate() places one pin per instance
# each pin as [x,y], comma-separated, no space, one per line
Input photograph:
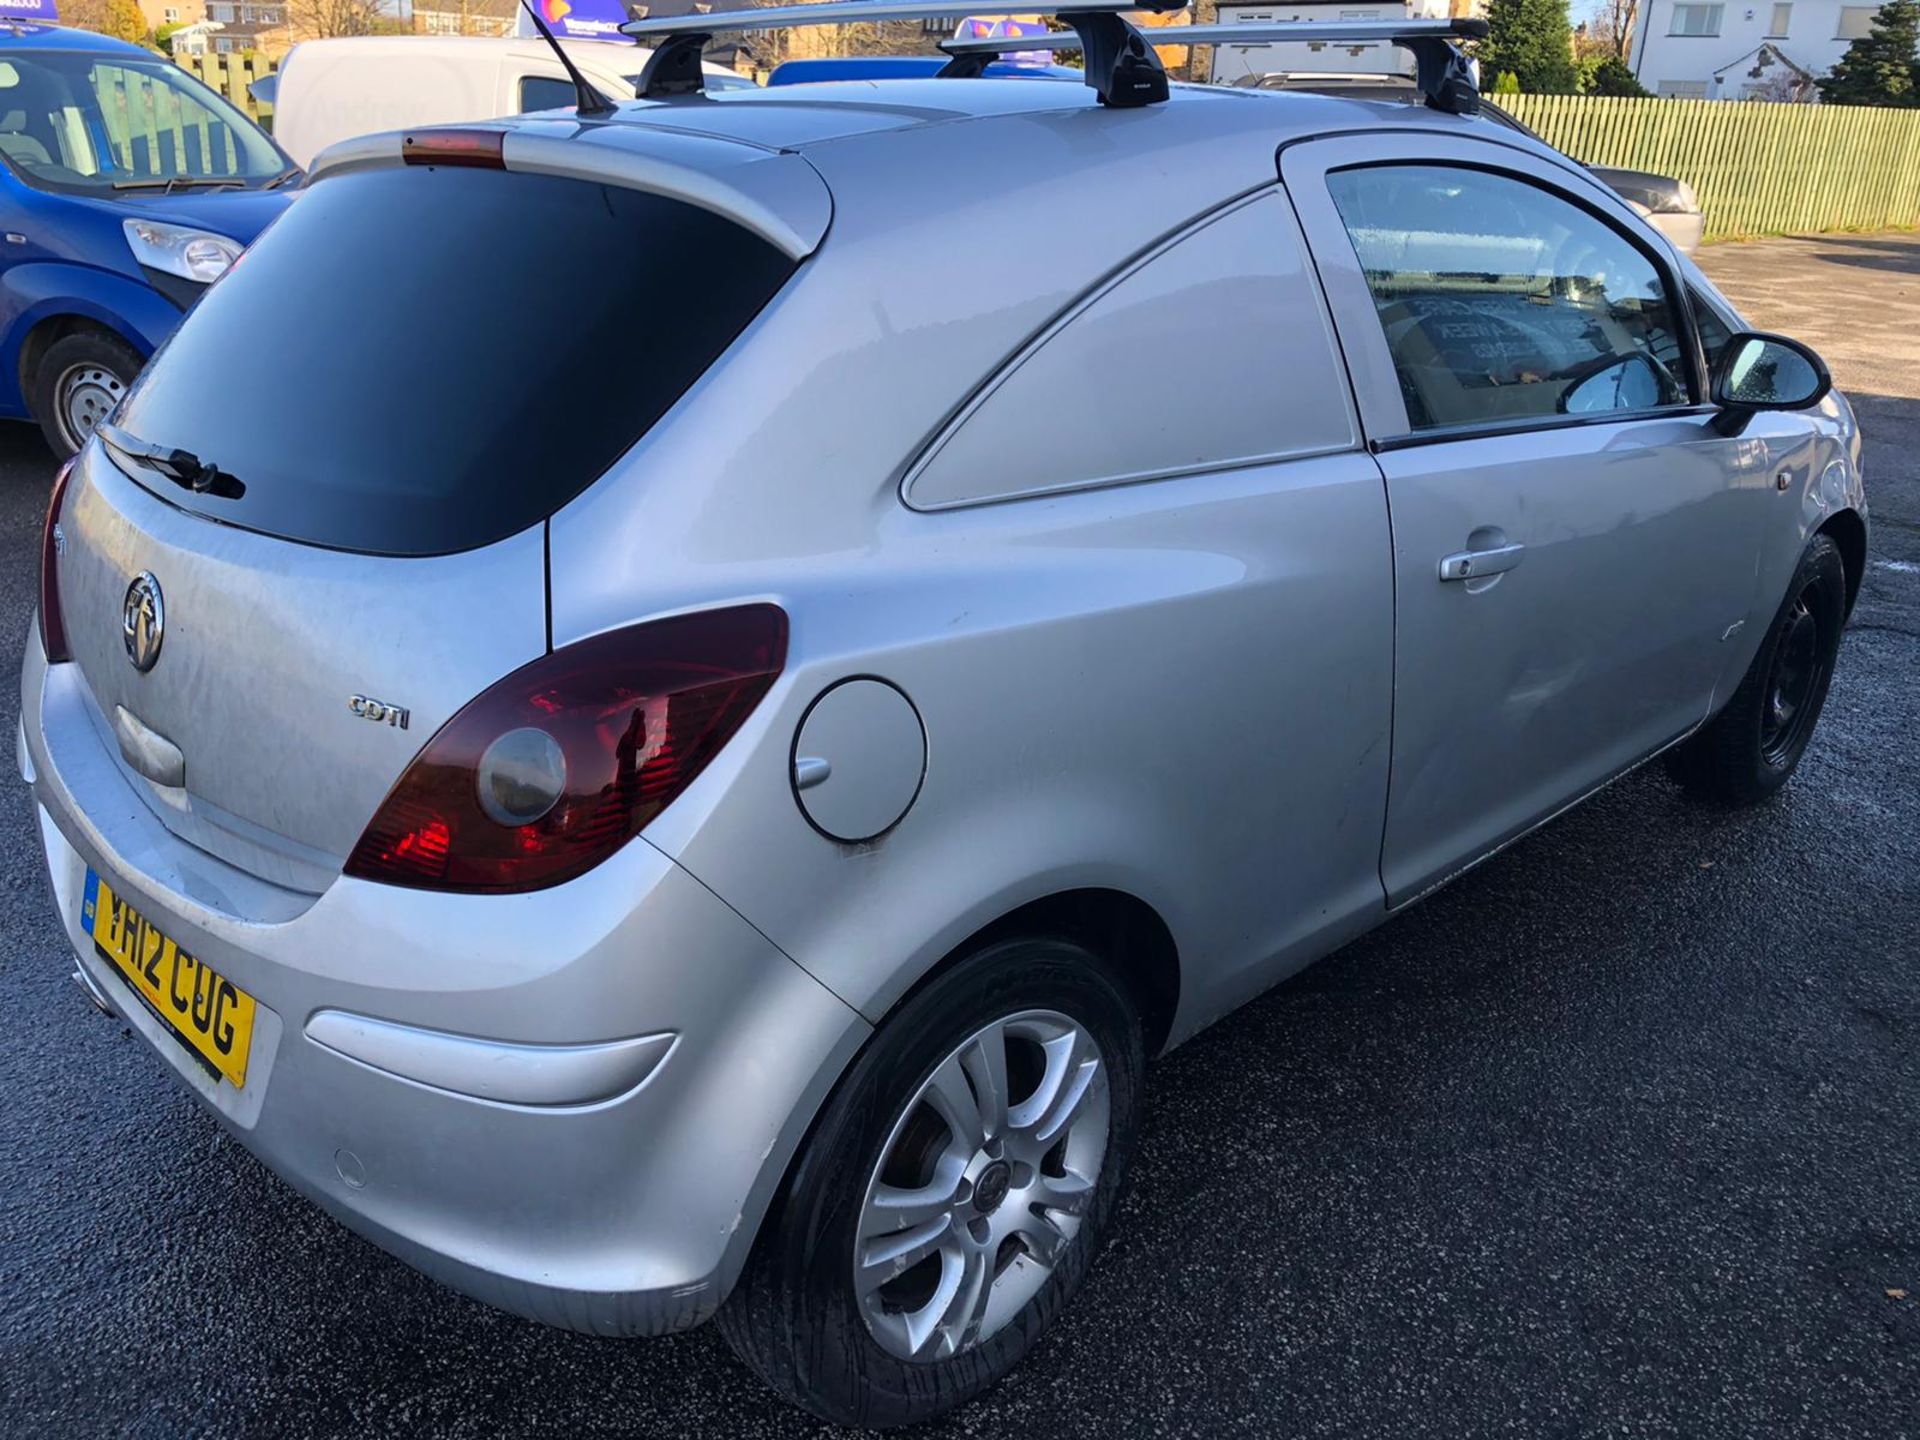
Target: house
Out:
[1722,51]
[466,17]
[237,26]
[1236,63]
[172,12]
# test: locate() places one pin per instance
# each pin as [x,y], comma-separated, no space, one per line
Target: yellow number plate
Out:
[207,1013]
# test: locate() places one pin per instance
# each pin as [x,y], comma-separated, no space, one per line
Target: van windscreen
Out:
[422,360]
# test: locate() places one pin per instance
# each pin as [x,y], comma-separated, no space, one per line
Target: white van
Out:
[328,90]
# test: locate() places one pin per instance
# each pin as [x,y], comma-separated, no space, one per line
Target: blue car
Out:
[126,187]
[901,67]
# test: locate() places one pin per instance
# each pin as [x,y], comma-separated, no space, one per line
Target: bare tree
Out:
[1612,26]
[324,19]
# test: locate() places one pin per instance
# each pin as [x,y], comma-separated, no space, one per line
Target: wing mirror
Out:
[1768,372]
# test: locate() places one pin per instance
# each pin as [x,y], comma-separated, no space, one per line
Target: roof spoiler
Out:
[1121,65]
[1441,72]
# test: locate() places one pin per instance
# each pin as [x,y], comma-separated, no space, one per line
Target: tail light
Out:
[53,628]
[550,771]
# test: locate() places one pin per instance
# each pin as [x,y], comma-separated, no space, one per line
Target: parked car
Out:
[1668,204]
[694,787]
[331,90]
[126,187]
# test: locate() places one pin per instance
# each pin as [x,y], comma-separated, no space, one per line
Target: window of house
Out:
[1696,20]
[222,13]
[1683,89]
[1855,21]
[223,45]
[1782,18]
[169,16]
[1502,302]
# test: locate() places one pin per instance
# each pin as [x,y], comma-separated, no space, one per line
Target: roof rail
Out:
[1121,66]
[1440,71]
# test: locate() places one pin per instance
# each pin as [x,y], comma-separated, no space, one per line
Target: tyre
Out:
[79,380]
[1752,747]
[952,1194]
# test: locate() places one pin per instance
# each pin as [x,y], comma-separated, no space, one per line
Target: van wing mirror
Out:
[1757,371]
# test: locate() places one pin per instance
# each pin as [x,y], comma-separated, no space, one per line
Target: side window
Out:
[541,92]
[1713,330]
[1216,352]
[1502,302]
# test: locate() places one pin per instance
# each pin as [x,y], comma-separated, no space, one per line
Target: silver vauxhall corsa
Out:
[724,670]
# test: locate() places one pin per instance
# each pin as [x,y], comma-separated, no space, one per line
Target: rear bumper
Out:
[574,1105]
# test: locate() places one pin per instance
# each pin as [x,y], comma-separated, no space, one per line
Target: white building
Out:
[1233,63]
[1729,51]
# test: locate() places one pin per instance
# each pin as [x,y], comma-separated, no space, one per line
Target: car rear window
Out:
[421,360]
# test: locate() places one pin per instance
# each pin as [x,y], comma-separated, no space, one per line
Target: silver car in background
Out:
[691,780]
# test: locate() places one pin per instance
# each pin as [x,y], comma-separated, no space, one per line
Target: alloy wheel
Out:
[982,1185]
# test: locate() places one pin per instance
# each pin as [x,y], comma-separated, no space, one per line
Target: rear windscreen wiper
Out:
[165,186]
[183,467]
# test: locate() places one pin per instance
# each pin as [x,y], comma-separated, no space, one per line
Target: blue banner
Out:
[572,19]
[28,10]
[994,29]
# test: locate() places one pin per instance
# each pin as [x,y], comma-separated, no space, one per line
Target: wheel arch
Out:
[1122,929]
[1848,531]
[49,330]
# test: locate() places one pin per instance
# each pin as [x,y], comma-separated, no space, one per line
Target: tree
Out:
[1531,39]
[1879,68]
[1612,26]
[324,19]
[119,18]
[1612,77]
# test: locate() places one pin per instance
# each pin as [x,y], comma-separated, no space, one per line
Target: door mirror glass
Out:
[1634,382]
[1768,372]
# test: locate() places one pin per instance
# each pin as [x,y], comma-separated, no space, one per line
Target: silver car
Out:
[661,711]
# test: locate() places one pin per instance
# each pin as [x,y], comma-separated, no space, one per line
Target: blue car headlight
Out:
[198,255]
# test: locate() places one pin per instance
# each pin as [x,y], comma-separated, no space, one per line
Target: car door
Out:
[1572,544]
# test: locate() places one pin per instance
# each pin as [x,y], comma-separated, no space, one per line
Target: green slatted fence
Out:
[231,75]
[1760,169]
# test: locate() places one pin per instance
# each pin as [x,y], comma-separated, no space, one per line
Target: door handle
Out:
[1472,564]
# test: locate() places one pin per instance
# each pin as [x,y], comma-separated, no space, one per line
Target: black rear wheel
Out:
[1753,746]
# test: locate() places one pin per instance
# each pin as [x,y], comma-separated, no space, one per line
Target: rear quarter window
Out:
[422,360]
[1214,352]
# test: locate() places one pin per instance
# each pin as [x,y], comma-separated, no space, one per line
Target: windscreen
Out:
[94,123]
[421,360]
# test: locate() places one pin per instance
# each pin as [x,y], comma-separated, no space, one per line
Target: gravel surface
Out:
[1616,1136]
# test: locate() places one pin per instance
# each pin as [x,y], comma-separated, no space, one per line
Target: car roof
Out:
[883,155]
[26,35]
[797,117]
